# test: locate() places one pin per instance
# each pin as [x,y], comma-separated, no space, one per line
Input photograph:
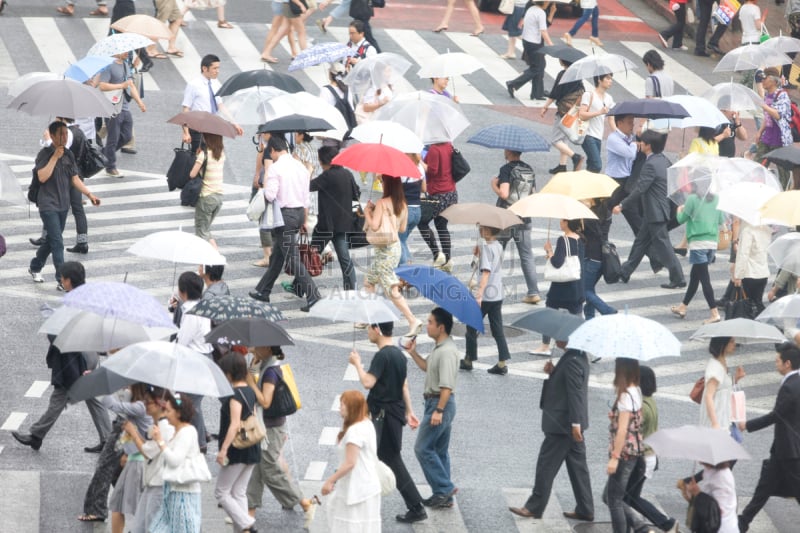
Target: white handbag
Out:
[385,476]
[193,470]
[256,207]
[570,270]
[506,7]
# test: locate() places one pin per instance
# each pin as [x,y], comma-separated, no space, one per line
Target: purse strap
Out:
[245,402]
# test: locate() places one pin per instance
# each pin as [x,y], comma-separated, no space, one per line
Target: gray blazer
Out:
[651,190]
[564,398]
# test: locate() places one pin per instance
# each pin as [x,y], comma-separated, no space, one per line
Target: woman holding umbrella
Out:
[211,161]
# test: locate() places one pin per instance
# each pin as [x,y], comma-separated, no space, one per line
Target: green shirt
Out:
[649,419]
[702,219]
[442,367]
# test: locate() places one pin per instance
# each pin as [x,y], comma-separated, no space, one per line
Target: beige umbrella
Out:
[480,214]
[143,25]
[783,208]
[550,205]
[581,185]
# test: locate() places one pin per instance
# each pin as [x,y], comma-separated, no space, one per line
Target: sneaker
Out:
[60,287]
[498,370]
[37,276]
[447,267]
[439,260]
[577,161]
[114,173]
[558,168]
[532,299]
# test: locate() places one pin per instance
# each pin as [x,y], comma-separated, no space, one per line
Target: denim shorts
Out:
[700,257]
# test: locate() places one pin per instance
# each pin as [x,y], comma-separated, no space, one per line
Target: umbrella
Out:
[549,205]
[85,68]
[482,214]
[782,43]
[554,323]
[624,335]
[87,331]
[23,82]
[591,66]
[10,191]
[745,330]
[701,113]
[259,78]
[751,57]
[171,366]
[119,300]
[143,25]
[376,71]
[651,108]
[98,382]
[355,306]
[449,65]
[445,291]
[377,158]
[204,122]
[390,134]
[62,98]
[434,119]
[787,156]
[697,443]
[295,122]
[510,137]
[783,208]
[250,332]
[562,51]
[785,252]
[119,43]
[309,105]
[247,106]
[782,308]
[177,247]
[328,52]
[223,308]
[581,185]
[744,200]
[733,96]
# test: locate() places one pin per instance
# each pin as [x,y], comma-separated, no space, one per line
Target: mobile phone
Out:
[410,340]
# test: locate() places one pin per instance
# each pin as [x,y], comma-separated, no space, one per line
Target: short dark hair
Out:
[326,154]
[214,272]
[654,59]
[277,143]
[234,365]
[647,380]
[620,118]
[183,404]
[386,328]
[443,318]
[207,61]
[789,352]
[74,272]
[706,133]
[192,284]
[357,25]
[55,126]
[598,79]
[657,141]
[717,345]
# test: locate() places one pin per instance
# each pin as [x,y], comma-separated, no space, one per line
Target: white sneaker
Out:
[228,520]
[37,276]
[440,260]
[447,267]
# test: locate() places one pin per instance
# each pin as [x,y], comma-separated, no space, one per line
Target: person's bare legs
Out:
[400,302]
[511,51]
[117,522]
[280,27]
[299,27]
[448,12]
[565,152]
[476,16]
[174,26]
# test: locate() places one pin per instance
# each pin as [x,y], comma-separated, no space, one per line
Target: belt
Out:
[431,395]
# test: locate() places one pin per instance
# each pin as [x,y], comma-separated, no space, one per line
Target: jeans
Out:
[414,213]
[119,133]
[53,222]
[432,446]
[231,493]
[614,494]
[320,239]
[591,147]
[495,312]
[634,499]
[585,14]
[592,270]
[522,238]
[81,225]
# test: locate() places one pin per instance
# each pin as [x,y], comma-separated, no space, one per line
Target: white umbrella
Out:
[597,65]
[733,96]
[388,133]
[434,119]
[624,335]
[308,105]
[744,200]
[751,57]
[379,70]
[10,191]
[449,65]
[355,306]
[23,82]
[781,309]
[170,366]
[696,443]
[246,106]
[177,247]
[86,331]
[119,43]
[744,330]
[785,252]
[551,205]
[701,113]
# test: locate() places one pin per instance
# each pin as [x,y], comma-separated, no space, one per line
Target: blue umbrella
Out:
[119,300]
[329,52]
[445,291]
[510,137]
[85,68]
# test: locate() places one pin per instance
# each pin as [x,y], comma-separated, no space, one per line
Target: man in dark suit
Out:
[565,416]
[651,191]
[781,473]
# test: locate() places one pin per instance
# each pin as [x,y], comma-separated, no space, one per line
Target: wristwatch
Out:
[439,410]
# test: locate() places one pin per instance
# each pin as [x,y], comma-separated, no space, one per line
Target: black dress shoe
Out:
[130,151]
[680,251]
[27,440]
[576,516]
[37,242]
[623,277]
[260,296]
[498,370]
[510,88]
[80,248]
[413,515]
[94,449]
[307,308]
[465,365]
[716,49]
[673,285]
[147,66]
[523,512]
[701,53]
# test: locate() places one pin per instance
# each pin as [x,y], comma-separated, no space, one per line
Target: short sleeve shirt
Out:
[504,176]
[54,193]
[116,73]
[197,96]
[389,366]
[595,102]
[442,367]
[630,400]
[535,22]
[664,82]
[722,397]
[272,374]
[491,261]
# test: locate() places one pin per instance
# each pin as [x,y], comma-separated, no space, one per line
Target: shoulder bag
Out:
[724,240]
[459,165]
[250,431]
[191,191]
[696,393]
[572,126]
[91,161]
[506,7]
[256,207]
[612,266]
[193,470]
[182,163]
[283,401]
[386,233]
[309,256]
[569,271]
[385,477]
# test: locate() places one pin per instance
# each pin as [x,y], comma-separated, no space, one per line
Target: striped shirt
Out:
[212,179]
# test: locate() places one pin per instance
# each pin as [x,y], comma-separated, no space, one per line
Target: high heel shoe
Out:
[596,41]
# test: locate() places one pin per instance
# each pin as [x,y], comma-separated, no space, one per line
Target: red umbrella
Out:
[377,158]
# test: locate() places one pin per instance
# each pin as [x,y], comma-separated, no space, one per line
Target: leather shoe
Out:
[523,512]
[623,277]
[37,242]
[260,296]
[510,88]
[94,449]
[673,285]
[575,516]
[413,515]
[80,248]
[465,365]
[307,308]
[27,440]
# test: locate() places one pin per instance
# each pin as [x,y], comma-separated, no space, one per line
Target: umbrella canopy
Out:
[510,137]
[652,108]
[733,96]
[119,300]
[701,113]
[62,98]
[445,291]
[10,191]
[390,134]
[555,323]
[591,66]
[355,306]
[482,214]
[205,122]
[744,330]
[377,158]
[247,106]
[309,105]
[787,156]
[781,309]
[177,247]
[171,366]
[434,119]
[785,252]
[87,331]
[23,82]
[294,122]
[87,67]
[581,185]
[744,200]
[751,57]
[783,208]
[696,443]
[377,71]
[563,51]
[549,205]
[250,332]
[143,25]
[259,78]
[119,43]
[98,382]
[328,52]
[624,335]
[223,308]
[449,65]
[782,43]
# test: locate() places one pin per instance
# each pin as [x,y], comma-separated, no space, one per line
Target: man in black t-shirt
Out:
[389,404]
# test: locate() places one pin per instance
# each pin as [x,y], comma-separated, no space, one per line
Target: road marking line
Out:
[620,18]
[242,51]
[8,71]
[335,404]
[683,76]
[328,436]
[37,389]
[52,46]
[14,421]
[315,470]
[351,374]
[552,519]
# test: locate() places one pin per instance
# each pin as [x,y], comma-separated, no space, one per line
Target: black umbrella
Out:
[259,78]
[562,51]
[652,108]
[98,382]
[250,332]
[788,157]
[222,308]
[550,322]
[295,122]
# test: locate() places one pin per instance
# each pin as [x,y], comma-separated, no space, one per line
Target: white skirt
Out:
[364,517]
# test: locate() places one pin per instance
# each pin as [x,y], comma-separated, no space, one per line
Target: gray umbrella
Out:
[62,98]
[550,322]
[744,330]
[702,444]
[98,382]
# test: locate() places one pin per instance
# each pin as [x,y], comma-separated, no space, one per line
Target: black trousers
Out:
[785,472]
[653,238]
[105,474]
[535,71]
[389,433]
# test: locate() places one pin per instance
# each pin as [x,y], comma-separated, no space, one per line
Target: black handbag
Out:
[612,266]
[356,237]
[379,3]
[361,9]
[283,403]
[92,160]
[459,165]
[295,9]
[191,190]
[741,306]
[33,188]
[182,163]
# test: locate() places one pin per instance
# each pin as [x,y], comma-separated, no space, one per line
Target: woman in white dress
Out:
[355,502]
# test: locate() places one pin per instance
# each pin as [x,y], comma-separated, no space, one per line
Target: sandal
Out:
[713,320]
[99,13]
[308,514]
[676,311]
[224,24]
[269,59]
[176,53]
[66,11]
[91,518]
[159,55]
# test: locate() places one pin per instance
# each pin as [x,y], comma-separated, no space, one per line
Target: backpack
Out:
[345,109]
[33,188]
[361,10]
[521,184]
[794,119]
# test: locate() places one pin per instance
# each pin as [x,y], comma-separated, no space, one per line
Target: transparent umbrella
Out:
[701,113]
[306,104]
[388,133]
[10,191]
[597,65]
[785,252]
[380,70]
[782,43]
[733,96]
[744,200]
[449,65]
[246,106]
[434,119]
[751,57]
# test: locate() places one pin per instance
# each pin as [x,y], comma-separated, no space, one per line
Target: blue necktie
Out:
[213,98]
